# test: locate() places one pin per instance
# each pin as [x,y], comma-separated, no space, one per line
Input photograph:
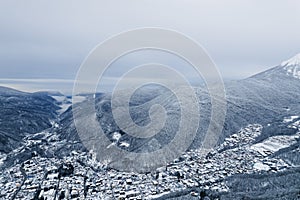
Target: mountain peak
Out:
[292,61]
[292,66]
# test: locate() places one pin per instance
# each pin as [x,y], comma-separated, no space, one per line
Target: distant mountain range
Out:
[264,98]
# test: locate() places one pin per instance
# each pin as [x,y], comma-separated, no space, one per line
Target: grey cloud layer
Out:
[50,39]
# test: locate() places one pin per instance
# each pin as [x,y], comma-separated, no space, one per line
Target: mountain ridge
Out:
[23,113]
[262,98]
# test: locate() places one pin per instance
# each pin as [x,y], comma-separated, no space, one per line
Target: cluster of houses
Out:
[79,176]
[11,181]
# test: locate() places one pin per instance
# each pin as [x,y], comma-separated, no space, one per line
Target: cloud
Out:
[50,39]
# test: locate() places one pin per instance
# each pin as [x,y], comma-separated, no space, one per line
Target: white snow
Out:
[116,136]
[59,98]
[2,158]
[292,66]
[52,176]
[290,119]
[49,194]
[77,99]
[275,143]
[110,145]
[157,195]
[64,106]
[293,71]
[260,166]
[54,124]
[295,125]
[124,144]
[292,61]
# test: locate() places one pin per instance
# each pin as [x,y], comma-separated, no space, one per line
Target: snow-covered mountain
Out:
[265,98]
[23,113]
[257,155]
[292,66]
[288,68]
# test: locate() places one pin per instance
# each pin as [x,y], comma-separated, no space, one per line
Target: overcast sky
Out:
[49,39]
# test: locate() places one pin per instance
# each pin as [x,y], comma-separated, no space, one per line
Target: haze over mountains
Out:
[261,98]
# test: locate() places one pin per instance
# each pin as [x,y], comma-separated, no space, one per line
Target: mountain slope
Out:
[23,113]
[264,98]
